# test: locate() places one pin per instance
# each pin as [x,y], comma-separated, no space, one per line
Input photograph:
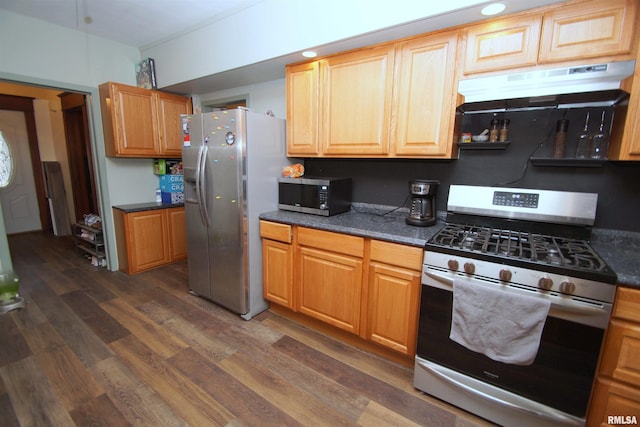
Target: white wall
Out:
[278,28]
[35,52]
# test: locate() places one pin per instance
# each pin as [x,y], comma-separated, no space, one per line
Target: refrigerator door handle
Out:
[201,186]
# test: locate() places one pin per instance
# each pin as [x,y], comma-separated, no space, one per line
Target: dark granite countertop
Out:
[365,221]
[620,249]
[138,207]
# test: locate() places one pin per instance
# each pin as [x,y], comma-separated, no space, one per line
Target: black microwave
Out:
[319,196]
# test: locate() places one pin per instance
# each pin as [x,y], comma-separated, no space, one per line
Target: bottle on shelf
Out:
[562,126]
[503,134]
[494,130]
[600,142]
[583,148]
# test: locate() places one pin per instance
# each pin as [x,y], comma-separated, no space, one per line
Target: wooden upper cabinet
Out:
[357,102]
[170,107]
[424,98]
[507,43]
[140,122]
[589,29]
[302,109]
[129,121]
[583,30]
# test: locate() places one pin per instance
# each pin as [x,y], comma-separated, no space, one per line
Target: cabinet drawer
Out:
[275,231]
[627,305]
[396,254]
[334,242]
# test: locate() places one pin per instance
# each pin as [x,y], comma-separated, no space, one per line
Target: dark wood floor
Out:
[95,347]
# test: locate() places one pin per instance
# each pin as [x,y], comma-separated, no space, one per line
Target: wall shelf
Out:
[483,145]
[574,162]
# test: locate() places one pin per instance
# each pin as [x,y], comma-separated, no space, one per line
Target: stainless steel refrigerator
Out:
[231,162]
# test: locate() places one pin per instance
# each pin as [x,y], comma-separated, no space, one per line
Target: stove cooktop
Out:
[560,255]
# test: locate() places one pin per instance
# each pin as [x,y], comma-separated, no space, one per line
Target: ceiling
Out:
[136,23]
[143,23]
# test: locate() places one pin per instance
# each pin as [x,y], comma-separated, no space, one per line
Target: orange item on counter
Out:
[293,171]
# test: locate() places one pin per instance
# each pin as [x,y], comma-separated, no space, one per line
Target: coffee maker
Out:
[422,211]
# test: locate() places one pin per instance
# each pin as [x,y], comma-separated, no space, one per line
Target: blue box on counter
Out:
[171,183]
[172,197]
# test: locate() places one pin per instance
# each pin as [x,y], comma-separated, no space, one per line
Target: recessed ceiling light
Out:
[492,9]
[309,54]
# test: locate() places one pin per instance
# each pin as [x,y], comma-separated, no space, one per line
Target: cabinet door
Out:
[147,242]
[424,103]
[177,234]
[330,286]
[587,30]
[610,399]
[170,107]
[392,307]
[621,360]
[625,137]
[277,272]
[502,44]
[357,89]
[135,129]
[303,108]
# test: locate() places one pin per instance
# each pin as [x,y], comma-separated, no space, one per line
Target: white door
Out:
[19,200]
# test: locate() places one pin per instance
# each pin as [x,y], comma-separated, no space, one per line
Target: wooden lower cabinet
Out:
[393,307]
[277,263]
[149,239]
[366,287]
[177,234]
[617,387]
[393,296]
[329,287]
[328,277]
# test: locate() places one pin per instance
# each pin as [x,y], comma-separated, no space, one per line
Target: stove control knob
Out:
[567,287]
[545,283]
[469,267]
[505,275]
[453,265]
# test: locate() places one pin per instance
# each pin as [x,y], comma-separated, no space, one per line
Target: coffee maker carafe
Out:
[422,210]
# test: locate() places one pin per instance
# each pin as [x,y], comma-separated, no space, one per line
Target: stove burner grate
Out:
[520,245]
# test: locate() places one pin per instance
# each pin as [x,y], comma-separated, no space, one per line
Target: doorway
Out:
[68,142]
[25,208]
[83,186]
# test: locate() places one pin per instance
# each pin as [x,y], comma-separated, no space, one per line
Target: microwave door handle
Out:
[548,413]
[557,303]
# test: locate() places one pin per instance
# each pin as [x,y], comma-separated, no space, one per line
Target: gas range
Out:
[536,239]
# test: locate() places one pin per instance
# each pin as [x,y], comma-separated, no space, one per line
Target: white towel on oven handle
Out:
[505,326]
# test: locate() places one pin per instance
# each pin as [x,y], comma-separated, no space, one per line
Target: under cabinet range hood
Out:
[586,85]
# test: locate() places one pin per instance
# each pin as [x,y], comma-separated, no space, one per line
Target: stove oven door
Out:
[556,386]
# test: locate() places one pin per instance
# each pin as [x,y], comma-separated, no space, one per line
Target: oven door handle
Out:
[549,413]
[567,306]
